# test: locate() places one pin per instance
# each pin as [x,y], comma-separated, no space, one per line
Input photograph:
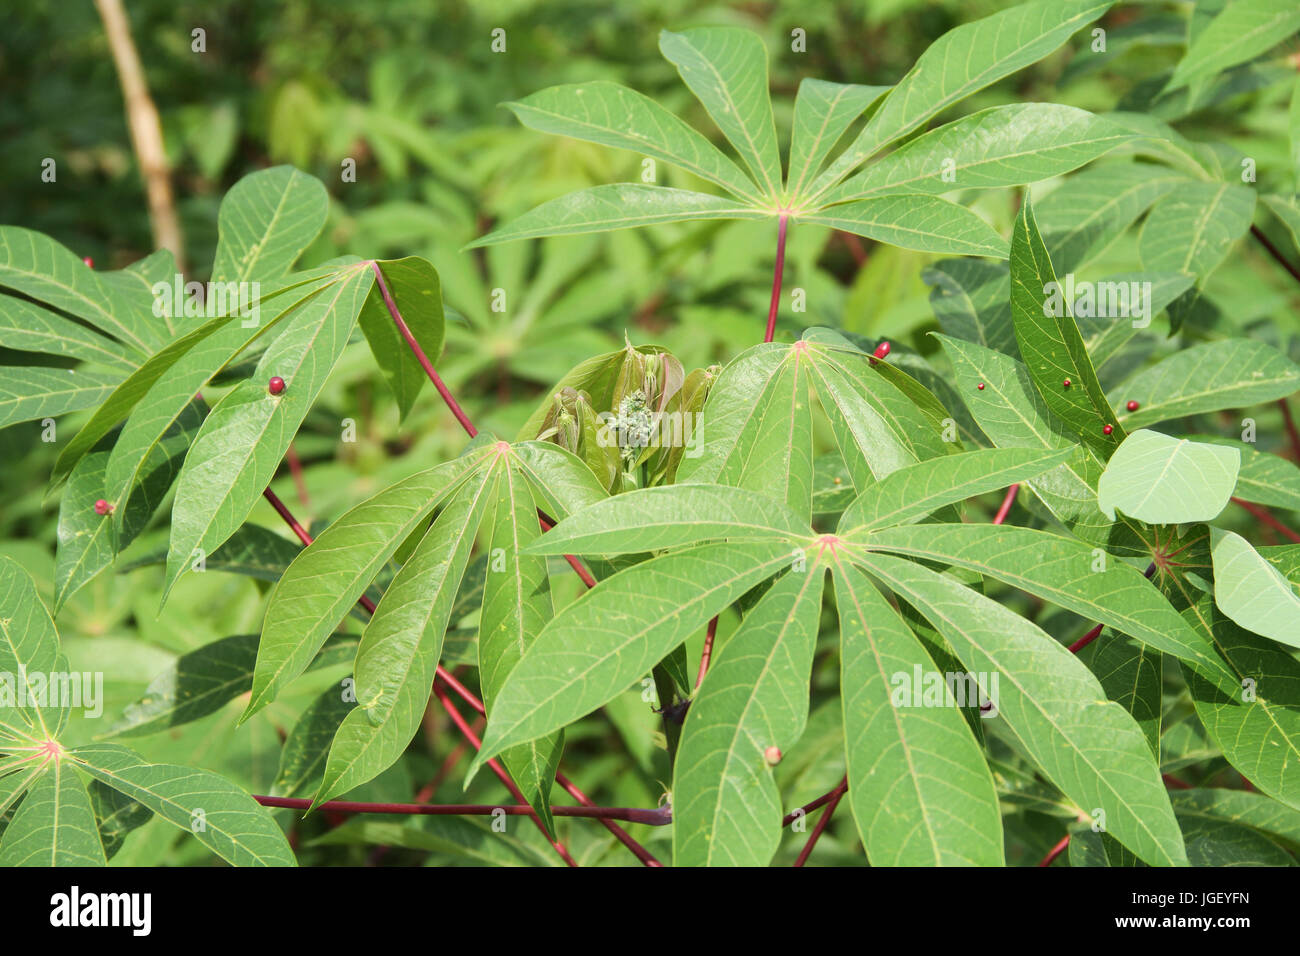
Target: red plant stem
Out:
[640,852]
[654,818]
[295,469]
[1268,519]
[776,278]
[1007,502]
[1274,252]
[292,522]
[836,795]
[1290,427]
[808,808]
[1055,851]
[468,733]
[579,568]
[707,654]
[420,357]
[854,245]
[1172,781]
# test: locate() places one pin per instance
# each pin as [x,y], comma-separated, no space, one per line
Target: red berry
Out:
[980,386]
[1132,406]
[881,350]
[102,507]
[773,754]
[89,261]
[1107,430]
[1066,383]
[276,385]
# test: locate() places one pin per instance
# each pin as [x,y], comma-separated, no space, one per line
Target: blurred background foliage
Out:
[411,91]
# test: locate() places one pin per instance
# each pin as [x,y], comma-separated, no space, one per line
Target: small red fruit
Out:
[1132,406]
[773,754]
[1066,383]
[980,386]
[102,507]
[1107,430]
[276,385]
[882,350]
[89,261]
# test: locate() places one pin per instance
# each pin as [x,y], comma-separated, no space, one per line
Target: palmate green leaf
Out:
[920,790]
[1232,373]
[726,69]
[1088,212]
[1051,343]
[302,761]
[413,284]
[726,805]
[326,579]
[759,431]
[917,490]
[1252,592]
[1192,229]
[613,115]
[88,542]
[1087,746]
[914,221]
[29,328]
[168,399]
[1241,31]
[670,516]
[29,393]
[116,815]
[29,645]
[823,112]
[516,607]
[54,825]
[236,453]
[1163,480]
[1010,410]
[617,206]
[1066,573]
[963,60]
[48,272]
[266,221]
[613,635]
[232,824]
[1258,727]
[401,645]
[1003,146]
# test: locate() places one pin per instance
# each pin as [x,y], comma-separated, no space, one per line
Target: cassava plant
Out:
[789,555]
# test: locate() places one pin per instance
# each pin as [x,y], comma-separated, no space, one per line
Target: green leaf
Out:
[726,805]
[199,683]
[616,206]
[613,635]
[1192,229]
[302,761]
[236,453]
[1163,480]
[1232,373]
[1252,592]
[1088,746]
[915,221]
[400,648]
[28,328]
[221,816]
[116,815]
[1051,343]
[1002,146]
[726,69]
[1242,31]
[1241,806]
[267,219]
[670,516]
[516,607]
[54,825]
[1264,478]
[920,790]
[917,490]
[1130,673]
[413,284]
[29,645]
[823,112]
[326,579]
[963,60]
[1065,572]
[560,480]
[29,393]
[612,115]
